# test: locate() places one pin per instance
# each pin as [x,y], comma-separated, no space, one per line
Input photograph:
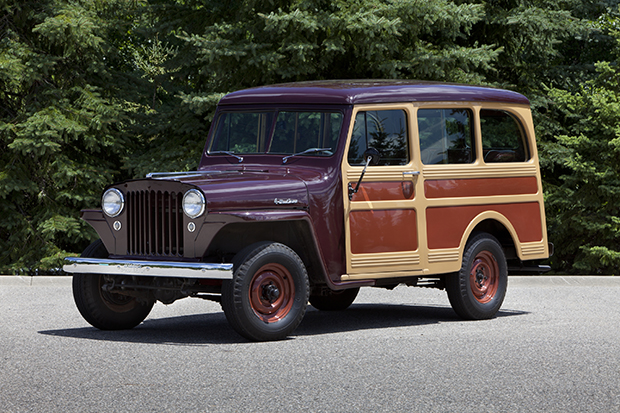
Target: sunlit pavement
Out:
[552,347]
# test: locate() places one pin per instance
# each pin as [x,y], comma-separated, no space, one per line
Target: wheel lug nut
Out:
[270,292]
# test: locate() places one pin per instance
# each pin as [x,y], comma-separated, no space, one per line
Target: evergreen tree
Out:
[222,46]
[258,43]
[96,91]
[582,159]
[61,125]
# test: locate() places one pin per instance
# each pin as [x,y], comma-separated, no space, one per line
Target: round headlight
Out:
[193,203]
[112,202]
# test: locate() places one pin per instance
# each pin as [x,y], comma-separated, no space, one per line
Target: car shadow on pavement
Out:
[212,328]
[379,316]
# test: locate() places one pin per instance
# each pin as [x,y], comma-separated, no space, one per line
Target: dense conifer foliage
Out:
[93,91]
[62,132]
[582,158]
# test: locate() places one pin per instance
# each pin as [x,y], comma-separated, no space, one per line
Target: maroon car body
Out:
[151,250]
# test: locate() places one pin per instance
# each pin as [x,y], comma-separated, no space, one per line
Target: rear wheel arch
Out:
[498,226]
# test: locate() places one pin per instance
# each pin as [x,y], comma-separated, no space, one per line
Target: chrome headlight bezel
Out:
[198,203]
[116,204]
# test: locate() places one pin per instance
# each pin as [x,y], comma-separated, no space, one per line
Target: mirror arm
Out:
[359,182]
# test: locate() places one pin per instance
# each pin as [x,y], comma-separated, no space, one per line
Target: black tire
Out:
[267,297]
[334,300]
[104,310]
[477,291]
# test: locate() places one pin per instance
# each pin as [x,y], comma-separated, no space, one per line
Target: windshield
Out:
[283,132]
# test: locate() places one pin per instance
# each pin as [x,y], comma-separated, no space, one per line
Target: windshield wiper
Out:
[307,151]
[226,153]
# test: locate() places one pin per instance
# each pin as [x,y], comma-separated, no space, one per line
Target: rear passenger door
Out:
[381,219]
[478,168]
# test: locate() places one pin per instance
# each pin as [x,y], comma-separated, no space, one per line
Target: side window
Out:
[446,136]
[384,130]
[502,137]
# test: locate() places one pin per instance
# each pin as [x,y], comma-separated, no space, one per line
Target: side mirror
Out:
[372,157]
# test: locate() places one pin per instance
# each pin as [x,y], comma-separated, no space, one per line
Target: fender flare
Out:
[493,216]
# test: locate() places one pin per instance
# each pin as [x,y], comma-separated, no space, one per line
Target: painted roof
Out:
[369,91]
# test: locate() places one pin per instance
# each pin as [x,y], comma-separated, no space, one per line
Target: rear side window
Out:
[446,136]
[384,130]
[503,139]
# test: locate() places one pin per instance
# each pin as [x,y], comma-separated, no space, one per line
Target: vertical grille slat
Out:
[150,250]
[169,217]
[164,225]
[154,223]
[157,239]
[141,212]
[146,226]
[179,223]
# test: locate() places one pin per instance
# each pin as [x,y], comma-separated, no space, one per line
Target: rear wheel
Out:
[102,309]
[268,295]
[334,300]
[477,291]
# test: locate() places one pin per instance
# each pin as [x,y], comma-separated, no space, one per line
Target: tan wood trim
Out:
[437,261]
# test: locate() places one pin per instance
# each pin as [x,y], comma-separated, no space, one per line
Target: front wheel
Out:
[102,309]
[268,295]
[477,291]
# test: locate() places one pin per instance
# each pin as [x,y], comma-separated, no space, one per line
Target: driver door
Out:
[381,219]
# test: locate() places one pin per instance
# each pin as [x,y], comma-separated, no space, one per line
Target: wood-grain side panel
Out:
[384,191]
[385,230]
[457,188]
[446,225]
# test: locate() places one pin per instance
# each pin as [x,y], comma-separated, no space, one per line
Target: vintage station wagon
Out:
[308,191]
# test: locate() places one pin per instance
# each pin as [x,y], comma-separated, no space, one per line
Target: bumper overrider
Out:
[222,271]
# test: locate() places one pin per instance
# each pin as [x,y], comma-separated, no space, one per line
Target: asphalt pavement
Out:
[554,347]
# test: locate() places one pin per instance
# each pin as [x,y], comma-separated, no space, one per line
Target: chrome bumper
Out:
[148,268]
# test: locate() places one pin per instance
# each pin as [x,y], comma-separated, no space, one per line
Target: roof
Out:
[369,91]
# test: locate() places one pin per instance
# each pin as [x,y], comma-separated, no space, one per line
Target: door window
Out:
[384,130]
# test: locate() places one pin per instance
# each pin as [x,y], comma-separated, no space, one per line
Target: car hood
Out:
[237,190]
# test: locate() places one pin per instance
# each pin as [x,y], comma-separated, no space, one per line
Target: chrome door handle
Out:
[413,173]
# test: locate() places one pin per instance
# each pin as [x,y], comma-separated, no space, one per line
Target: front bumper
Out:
[148,268]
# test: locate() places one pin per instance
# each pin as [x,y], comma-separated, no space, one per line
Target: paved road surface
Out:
[554,347]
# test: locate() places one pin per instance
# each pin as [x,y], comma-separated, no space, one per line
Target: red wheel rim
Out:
[484,277]
[272,292]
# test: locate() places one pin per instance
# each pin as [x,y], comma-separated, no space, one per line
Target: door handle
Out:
[412,173]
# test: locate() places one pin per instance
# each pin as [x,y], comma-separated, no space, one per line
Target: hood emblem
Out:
[285,201]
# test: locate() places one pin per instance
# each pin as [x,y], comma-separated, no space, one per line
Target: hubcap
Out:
[484,277]
[272,292]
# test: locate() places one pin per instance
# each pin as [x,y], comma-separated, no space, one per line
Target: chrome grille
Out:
[154,223]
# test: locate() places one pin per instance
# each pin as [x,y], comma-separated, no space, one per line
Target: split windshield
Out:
[283,132]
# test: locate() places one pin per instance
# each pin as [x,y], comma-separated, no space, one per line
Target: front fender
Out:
[294,228]
[97,220]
